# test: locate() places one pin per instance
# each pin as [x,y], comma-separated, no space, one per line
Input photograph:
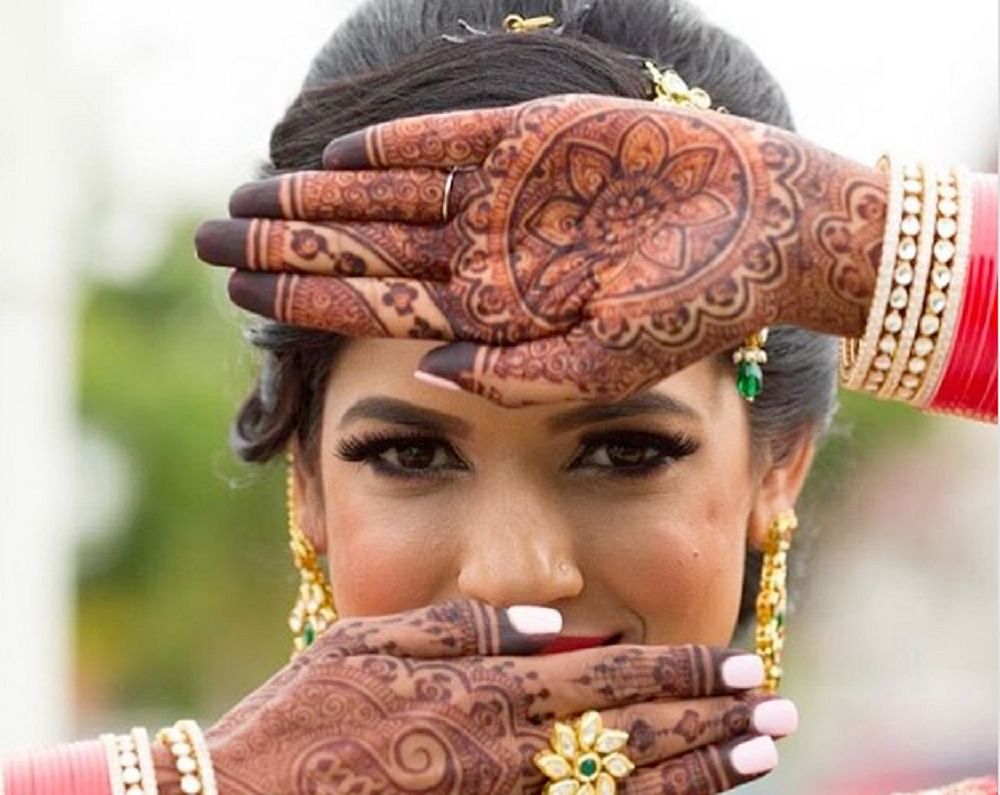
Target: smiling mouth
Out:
[576,642]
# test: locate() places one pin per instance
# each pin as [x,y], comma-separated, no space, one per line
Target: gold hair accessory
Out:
[772,597]
[584,758]
[313,610]
[515,23]
[669,88]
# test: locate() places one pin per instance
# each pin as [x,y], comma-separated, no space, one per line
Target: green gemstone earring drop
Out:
[748,359]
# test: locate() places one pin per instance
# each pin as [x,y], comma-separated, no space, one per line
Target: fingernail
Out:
[534,620]
[347,151]
[437,381]
[754,756]
[222,242]
[258,198]
[777,717]
[254,292]
[452,359]
[743,670]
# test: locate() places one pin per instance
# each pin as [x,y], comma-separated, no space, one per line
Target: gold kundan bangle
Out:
[145,756]
[187,744]
[908,293]
[130,763]
[947,284]
[111,750]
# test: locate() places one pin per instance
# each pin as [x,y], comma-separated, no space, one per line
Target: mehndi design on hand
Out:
[595,244]
[443,699]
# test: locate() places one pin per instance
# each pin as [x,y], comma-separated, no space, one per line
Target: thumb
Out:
[457,628]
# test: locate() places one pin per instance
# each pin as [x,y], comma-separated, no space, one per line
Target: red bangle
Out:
[968,386]
[72,769]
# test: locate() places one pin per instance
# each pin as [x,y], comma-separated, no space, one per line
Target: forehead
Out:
[369,367]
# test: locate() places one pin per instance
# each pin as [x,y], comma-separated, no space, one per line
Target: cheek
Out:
[378,565]
[679,565]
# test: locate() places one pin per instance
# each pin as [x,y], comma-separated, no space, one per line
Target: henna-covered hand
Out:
[593,244]
[453,699]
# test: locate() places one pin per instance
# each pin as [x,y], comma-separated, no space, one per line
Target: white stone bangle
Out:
[187,744]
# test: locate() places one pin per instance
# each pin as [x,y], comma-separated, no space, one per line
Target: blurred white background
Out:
[115,114]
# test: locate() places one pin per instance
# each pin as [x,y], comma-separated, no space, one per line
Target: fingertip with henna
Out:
[346,152]
[449,363]
[222,242]
[254,292]
[258,199]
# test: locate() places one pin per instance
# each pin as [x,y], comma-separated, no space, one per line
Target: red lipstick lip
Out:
[574,642]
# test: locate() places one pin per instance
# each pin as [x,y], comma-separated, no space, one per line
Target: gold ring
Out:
[584,758]
[447,193]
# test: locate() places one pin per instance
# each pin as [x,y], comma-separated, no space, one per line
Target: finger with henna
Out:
[353,249]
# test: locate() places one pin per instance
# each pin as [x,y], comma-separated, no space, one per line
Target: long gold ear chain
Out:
[772,598]
[313,610]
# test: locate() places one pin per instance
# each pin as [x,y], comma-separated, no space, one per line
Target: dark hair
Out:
[390,59]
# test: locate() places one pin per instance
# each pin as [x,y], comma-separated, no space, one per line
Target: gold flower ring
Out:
[584,758]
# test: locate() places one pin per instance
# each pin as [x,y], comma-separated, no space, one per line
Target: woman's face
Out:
[632,518]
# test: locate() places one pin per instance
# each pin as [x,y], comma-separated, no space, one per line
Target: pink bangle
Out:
[71,769]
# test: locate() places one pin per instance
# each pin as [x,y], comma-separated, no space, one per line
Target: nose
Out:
[518,550]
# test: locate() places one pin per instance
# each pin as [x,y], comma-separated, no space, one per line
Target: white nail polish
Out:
[743,670]
[435,380]
[777,717]
[534,620]
[754,756]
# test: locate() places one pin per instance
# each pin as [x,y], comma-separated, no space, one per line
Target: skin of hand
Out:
[592,246]
[453,698]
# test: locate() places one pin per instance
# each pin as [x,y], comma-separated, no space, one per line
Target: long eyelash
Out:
[671,446]
[362,448]
[369,447]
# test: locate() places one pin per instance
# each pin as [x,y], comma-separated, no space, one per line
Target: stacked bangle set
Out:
[112,765]
[911,338]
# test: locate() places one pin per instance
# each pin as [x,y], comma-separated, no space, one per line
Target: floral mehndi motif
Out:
[628,212]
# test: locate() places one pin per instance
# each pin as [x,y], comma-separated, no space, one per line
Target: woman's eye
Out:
[416,455]
[401,456]
[624,455]
[633,453]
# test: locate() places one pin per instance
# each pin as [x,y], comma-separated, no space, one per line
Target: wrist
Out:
[841,243]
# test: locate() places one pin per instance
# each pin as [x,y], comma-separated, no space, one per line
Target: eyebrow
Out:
[635,405]
[401,412]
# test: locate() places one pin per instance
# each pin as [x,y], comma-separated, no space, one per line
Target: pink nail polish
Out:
[743,670]
[435,380]
[777,717]
[533,620]
[754,756]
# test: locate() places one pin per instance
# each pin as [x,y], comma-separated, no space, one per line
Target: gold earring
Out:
[772,597]
[313,611]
